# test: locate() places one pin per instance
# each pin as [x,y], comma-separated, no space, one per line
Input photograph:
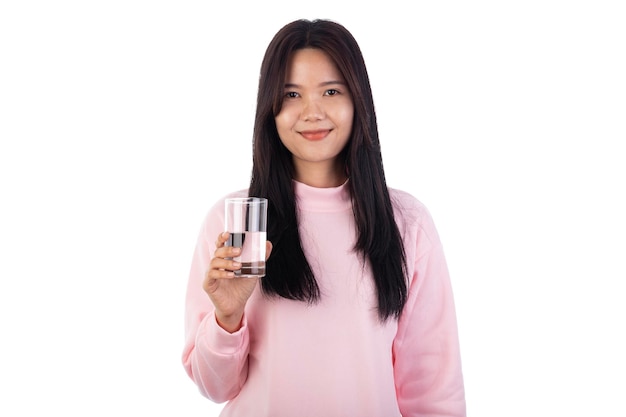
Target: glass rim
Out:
[246,200]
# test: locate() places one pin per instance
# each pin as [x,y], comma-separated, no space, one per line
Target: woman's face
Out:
[315,120]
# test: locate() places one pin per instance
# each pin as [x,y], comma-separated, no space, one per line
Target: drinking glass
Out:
[246,221]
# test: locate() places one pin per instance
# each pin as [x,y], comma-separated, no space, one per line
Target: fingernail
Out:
[236,264]
[236,250]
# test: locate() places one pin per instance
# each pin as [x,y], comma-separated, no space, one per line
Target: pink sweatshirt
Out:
[334,358]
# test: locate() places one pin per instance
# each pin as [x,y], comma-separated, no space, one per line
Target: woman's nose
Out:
[312,110]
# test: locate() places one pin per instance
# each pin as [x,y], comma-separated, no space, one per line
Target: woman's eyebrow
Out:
[333,82]
[322,84]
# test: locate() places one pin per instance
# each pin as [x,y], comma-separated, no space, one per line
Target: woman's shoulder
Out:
[406,202]
[411,212]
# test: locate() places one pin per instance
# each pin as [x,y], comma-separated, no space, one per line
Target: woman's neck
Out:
[320,177]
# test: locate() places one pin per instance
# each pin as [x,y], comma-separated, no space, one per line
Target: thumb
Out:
[268,249]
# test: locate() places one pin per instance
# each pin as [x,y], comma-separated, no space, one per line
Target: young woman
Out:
[355,316]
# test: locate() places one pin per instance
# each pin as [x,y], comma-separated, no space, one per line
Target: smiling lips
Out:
[315,134]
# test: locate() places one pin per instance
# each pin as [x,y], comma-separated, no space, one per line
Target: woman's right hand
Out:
[228,293]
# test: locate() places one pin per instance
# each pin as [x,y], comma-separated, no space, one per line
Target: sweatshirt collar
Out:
[322,199]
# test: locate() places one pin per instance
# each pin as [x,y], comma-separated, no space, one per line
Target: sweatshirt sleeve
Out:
[427,362]
[214,359]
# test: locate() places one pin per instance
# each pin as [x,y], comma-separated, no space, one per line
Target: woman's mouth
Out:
[315,134]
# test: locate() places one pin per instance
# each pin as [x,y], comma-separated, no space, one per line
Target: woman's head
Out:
[338,44]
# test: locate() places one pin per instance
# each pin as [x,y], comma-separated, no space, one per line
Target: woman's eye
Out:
[291,94]
[331,92]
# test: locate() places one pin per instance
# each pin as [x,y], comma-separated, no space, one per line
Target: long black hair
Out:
[288,272]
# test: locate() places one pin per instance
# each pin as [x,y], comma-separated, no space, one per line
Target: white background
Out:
[122,121]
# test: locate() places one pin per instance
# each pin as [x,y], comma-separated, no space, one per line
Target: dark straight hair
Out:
[288,272]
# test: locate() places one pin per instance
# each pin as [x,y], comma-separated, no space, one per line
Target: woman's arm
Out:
[427,360]
[214,359]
